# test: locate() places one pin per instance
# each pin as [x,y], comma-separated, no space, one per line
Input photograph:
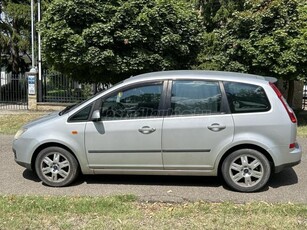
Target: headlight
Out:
[19,133]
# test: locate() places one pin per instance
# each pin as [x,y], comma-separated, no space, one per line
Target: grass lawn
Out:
[302,121]
[125,212]
[302,131]
[10,123]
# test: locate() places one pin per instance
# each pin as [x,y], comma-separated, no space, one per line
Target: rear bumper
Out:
[290,159]
[279,168]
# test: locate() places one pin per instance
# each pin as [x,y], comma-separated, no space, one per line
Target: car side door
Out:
[128,136]
[197,127]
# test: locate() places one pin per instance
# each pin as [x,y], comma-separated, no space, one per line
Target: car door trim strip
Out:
[124,151]
[186,150]
[151,151]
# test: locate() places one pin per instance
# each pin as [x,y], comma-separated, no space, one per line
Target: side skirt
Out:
[156,172]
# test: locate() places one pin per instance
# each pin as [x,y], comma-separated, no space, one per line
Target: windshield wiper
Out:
[67,109]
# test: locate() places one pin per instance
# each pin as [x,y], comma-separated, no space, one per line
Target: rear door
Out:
[197,126]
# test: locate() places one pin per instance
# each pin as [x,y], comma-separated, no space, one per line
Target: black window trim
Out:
[225,109]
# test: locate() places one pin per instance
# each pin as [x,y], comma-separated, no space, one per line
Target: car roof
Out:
[200,74]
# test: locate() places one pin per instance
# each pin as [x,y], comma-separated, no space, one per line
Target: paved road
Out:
[287,186]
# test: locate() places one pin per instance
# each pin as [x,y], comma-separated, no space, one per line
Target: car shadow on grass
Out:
[285,178]
[30,175]
[137,180]
[195,181]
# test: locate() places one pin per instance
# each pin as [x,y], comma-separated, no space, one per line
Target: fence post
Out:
[32,89]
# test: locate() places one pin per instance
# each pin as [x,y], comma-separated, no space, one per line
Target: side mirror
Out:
[96,116]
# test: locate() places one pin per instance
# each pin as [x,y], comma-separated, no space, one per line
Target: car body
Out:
[198,123]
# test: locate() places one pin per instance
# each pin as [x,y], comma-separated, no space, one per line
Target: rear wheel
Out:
[246,170]
[56,167]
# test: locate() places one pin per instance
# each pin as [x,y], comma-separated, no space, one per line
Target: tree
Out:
[14,35]
[269,37]
[215,13]
[105,41]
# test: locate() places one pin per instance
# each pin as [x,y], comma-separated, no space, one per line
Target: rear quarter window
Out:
[246,98]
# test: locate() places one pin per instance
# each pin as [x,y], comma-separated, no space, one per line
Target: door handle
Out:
[216,127]
[146,130]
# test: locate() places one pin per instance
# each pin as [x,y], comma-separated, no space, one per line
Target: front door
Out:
[129,135]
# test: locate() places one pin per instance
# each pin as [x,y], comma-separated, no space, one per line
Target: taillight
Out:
[284,102]
[292,146]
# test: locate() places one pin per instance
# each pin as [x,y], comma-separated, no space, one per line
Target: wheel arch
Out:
[50,144]
[245,146]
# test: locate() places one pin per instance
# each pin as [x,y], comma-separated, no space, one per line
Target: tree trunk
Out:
[290,96]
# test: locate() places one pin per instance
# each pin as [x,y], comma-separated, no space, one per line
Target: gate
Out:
[62,89]
[13,92]
[305,96]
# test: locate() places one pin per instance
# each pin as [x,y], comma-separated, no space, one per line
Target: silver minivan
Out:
[197,123]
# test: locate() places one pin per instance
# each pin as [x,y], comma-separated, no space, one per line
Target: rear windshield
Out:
[245,98]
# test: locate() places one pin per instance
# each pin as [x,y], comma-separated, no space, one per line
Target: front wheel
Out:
[246,170]
[56,167]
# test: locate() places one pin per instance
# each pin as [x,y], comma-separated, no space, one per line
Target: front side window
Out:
[195,97]
[81,115]
[245,98]
[138,102]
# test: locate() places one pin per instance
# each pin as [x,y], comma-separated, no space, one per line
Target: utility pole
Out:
[32,34]
[40,93]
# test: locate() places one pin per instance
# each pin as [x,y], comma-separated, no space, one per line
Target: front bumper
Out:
[23,151]
[23,164]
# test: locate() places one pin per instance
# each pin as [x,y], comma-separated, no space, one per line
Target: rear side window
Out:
[246,98]
[195,97]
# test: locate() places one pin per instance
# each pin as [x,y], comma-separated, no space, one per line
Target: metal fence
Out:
[304,105]
[56,87]
[13,92]
[61,89]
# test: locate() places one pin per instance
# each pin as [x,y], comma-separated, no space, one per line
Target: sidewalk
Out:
[20,111]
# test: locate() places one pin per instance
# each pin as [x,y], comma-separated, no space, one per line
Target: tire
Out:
[56,167]
[246,170]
